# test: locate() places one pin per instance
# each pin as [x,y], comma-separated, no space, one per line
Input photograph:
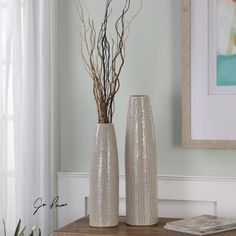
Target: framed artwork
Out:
[209,71]
[222,46]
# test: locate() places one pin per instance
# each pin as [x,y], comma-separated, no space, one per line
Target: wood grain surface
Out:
[81,228]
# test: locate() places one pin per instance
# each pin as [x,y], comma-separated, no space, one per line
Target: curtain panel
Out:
[27,160]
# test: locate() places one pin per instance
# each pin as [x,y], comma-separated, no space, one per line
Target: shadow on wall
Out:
[176,65]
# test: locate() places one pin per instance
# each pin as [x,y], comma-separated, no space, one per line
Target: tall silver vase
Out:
[104,179]
[140,164]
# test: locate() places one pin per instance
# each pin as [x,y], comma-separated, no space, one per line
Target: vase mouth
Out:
[138,96]
[105,124]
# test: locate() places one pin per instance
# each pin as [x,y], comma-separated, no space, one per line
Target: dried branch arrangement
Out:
[103,55]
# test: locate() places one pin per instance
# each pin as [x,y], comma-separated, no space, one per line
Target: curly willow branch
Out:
[103,56]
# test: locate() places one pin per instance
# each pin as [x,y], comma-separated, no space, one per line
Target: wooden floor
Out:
[81,228]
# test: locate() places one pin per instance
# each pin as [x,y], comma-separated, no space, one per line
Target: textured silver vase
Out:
[140,164]
[104,179]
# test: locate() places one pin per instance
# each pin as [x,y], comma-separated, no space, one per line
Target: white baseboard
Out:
[178,196]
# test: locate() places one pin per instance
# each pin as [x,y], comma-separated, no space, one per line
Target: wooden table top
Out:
[81,228]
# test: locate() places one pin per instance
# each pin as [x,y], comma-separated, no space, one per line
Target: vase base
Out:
[142,225]
[107,226]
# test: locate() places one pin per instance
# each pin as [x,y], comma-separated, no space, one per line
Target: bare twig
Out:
[104,56]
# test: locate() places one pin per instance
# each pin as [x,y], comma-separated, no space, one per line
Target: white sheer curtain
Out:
[27,166]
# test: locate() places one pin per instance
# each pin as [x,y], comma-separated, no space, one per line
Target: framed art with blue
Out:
[209,73]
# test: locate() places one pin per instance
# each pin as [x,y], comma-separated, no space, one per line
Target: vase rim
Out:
[105,124]
[138,96]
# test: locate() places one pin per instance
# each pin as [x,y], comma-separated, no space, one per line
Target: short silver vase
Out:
[140,164]
[104,179]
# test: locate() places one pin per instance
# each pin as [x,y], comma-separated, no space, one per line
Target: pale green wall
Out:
[153,67]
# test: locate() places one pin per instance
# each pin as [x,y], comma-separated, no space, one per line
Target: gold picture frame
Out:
[187,140]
